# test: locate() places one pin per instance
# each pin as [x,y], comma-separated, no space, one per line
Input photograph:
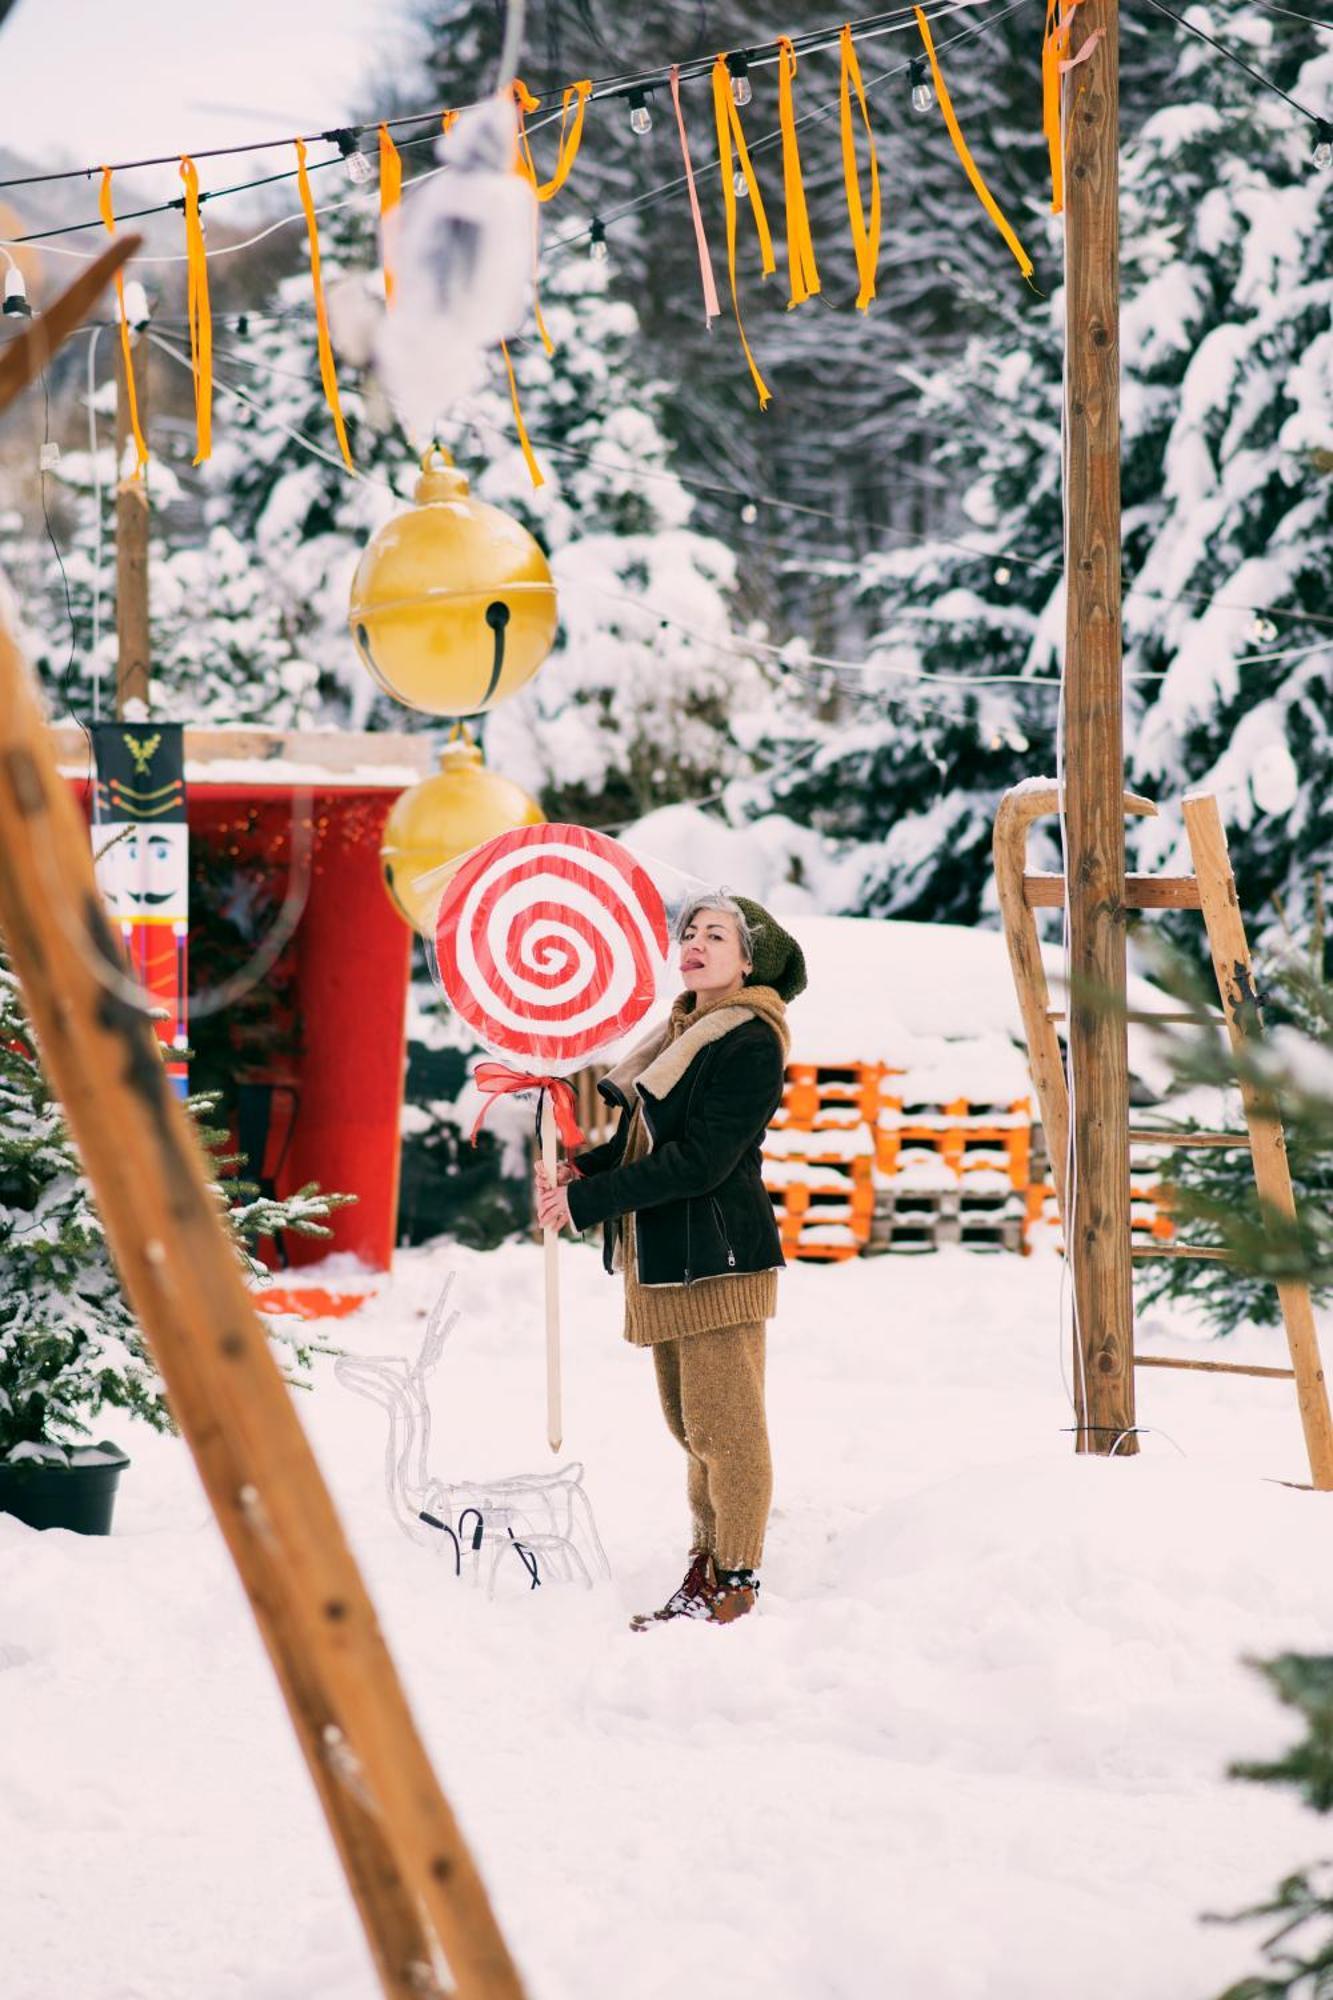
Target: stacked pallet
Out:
[1150,1218]
[951,1169]
[857,1161]
[819,1161]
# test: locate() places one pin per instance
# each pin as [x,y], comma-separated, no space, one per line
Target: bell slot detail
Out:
[497,617]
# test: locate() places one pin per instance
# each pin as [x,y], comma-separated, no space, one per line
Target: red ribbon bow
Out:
[498,1080]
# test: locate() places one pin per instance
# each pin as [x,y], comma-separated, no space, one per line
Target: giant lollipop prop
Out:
[552,943]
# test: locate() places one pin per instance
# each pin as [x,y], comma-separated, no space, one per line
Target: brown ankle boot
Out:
[732,1601]
[691,1599]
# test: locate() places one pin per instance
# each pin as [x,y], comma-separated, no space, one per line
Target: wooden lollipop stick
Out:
[551,1239]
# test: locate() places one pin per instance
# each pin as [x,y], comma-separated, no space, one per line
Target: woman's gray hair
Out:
[719,900]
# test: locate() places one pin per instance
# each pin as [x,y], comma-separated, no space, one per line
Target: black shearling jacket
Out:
[698,1199]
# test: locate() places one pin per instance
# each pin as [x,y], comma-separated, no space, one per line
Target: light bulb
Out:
[923,93]
[1263,629]
[640,117]
[739,181]
[598,247]
[740,80]
[359,169]
[136,305]
[1003,573]
[16,294]
[749,513]
[1323,147]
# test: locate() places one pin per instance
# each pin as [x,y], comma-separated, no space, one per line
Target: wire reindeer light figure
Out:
[544,1519]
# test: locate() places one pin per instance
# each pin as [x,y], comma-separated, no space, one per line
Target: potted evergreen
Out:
[69,1344]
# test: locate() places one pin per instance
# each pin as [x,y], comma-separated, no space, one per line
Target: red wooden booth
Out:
[310,806]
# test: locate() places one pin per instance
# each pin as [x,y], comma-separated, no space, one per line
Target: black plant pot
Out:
[78,1496]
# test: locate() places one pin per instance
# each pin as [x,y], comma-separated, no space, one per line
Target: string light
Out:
[1323,144]
[869,27]
[598,247]
[739,182]
[749,513]
[740,79]
[16,293]
[135,297]
[640,117]
[923,91]
[359,169]
[1003,574]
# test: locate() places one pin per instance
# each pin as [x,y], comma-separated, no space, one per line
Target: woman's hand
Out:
[552,1201]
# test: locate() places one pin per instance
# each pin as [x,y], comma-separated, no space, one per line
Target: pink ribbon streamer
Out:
[712,310]
[1084,52]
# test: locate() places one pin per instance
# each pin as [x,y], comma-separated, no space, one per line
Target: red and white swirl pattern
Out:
[552,942]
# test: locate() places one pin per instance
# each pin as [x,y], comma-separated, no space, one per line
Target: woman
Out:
[689,1223]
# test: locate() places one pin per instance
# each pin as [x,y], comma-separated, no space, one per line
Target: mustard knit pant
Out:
[712,1391]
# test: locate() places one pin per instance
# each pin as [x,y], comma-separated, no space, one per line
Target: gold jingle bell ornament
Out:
[453,608]
[441,820]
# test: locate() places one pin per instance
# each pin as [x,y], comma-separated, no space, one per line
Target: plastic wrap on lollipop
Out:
[552,943]
[463,255]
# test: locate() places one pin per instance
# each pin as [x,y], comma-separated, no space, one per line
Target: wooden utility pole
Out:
[1098,1213]
[132,655]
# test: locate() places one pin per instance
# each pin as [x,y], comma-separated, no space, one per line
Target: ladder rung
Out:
[1212,1367]
[1140,1019]
[1180,1250]
[1143,1135]
[1142,892]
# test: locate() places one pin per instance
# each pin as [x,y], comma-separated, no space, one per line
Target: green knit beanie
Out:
[779,961]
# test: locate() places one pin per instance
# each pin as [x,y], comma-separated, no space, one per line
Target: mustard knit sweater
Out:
[654,1313]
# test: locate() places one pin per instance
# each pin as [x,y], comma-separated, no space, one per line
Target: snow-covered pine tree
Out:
[224,647]
[1241,537]
[1215,187]
[69,1346]
[649,696]
[1298,1917]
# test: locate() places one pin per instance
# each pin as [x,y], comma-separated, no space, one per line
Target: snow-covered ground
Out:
[973,1748]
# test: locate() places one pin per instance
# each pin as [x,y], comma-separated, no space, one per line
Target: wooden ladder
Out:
[1210,889]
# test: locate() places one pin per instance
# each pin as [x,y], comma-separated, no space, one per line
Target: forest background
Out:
[755,603]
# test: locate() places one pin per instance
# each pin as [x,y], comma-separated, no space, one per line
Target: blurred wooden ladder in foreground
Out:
[423,1906]
[1211,889]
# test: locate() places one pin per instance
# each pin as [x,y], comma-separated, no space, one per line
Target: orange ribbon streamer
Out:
[729,129]
[984,195]
[498,1080]
[535,473]
[391,193]
[328,372]
[524,164]
[1054,49]
[200,313]
[712,310]
[448,120]
[865,235]
[571,136]
[107,214]
[800,247]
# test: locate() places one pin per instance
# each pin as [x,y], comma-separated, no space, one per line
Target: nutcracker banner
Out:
[141,856]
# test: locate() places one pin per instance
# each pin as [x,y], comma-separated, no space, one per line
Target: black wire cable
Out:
[1270,7]
[344,136]
[768,140]
[1240,62]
